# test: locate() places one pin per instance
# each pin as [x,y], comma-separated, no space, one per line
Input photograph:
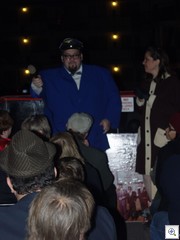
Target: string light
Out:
[26,72]
[24,9]
[25,41]
[114,3]
[115,36]
[116,69]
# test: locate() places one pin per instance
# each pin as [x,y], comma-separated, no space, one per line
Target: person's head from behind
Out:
[67,145]
[79,124]
[38,124]
[24,185]
[28,162]
[61,211]
[156,62]
[70,167]
[71,54]
[6,123]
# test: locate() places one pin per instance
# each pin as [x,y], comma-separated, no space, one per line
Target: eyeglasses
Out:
[74,56]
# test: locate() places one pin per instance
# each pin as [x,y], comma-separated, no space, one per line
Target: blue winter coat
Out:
[98,96]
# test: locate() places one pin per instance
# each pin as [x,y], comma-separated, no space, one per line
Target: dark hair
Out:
[32,184]
[158,53]
[70,167]
[38,124]
[6,121]
[68,145]
[61,211]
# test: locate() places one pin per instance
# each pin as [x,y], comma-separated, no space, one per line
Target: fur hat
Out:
[175,121]
[80,122]
[27,155]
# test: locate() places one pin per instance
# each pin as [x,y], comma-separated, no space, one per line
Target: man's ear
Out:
[158,61]
[55,172]
[9,183]
[81,56]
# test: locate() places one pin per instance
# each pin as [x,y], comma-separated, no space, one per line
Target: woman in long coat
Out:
[158,100]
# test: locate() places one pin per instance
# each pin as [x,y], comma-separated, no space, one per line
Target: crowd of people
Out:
[36,165]
[55,180]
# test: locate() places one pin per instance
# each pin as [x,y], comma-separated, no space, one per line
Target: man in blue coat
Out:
[77,87]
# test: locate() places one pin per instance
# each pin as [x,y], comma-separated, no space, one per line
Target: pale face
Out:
[72,59]
[6,133]
[150,65]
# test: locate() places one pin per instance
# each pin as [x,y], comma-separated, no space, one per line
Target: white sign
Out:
[127,104]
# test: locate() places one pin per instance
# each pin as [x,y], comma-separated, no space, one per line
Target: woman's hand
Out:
[170,132]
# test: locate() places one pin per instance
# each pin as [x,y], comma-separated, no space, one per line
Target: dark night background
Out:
[138,22]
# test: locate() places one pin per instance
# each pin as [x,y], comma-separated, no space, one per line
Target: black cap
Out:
[71,43]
